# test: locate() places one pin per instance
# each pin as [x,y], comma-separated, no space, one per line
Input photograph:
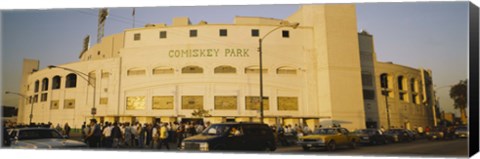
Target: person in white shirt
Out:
[154,136]
[107,139]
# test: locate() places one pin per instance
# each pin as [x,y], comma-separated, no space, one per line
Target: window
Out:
[71,81]
[253,103]
[192,102]
[225,102]
[43,97]
[104,101]
[162,70]
[414,99]
[136,36]
[412,85]
[98,53]
[136,72]
[384,80]
[136,103]
[69,104]
[193,33]
[45,84]
[285,33]
[35,98]
[192,69]
[225,69]
[56,82]
[368,94]
[287,103]
[105,74]
[255,32]
[287,70]
[255,69]
[37,85]
[162,102]
[223,32]
[400,82]
[163,34]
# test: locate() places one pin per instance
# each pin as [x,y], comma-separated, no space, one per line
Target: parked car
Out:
[372,136]
[232,136]
[399,135]
[41,138]
[461,131]
[436,133]
[329,138]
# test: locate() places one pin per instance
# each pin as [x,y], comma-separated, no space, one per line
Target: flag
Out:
[133,12]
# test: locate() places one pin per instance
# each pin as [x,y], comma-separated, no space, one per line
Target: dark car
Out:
[461,132]
[232,136]
[400,135]
[436,134]
[372,136]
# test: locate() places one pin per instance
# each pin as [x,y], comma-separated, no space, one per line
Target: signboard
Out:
[287,103]
[225,102]
[253,103]
[94,111]
[162,102]
[136,103]
[192,102]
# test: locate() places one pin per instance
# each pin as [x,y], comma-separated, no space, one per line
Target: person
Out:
[180,134]
[281,136]
[94,134]
[128,135]
[116,135]
[148,137]
[85,131]
[235,132]
[141,135]
[59,128]
[382,129]
[163,135]
[6,138]
[107,136]
[67,130]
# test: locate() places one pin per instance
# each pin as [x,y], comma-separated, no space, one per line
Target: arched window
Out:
[162,70]
[37,84]
[255,69]
[71,81]
[400,81]
[44,84]
[136,72]
[413,86]
[384,80]
[225,69]
[192,69]
[56,82]
[287,70]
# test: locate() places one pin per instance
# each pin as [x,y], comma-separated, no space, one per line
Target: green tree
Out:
[458,93]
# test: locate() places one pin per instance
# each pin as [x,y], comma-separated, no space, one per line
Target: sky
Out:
[431,35]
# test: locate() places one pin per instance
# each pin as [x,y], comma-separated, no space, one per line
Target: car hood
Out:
[315,136]
[198,138]
[48,144]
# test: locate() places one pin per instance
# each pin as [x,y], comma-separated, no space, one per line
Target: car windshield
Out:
[216,130]
[325,131]
[38,134]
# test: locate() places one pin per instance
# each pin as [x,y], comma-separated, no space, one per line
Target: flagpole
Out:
[133,14]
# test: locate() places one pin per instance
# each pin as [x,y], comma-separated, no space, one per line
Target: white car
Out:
[41,138]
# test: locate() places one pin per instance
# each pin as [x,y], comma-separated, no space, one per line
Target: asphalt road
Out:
[445,148]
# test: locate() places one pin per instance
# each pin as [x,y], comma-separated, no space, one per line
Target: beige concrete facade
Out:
[312,74]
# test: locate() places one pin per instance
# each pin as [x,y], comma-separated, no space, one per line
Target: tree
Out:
[458,93]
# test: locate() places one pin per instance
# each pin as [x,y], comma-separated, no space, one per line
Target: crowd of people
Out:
[138,135]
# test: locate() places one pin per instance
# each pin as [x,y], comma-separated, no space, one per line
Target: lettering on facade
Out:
[228,52]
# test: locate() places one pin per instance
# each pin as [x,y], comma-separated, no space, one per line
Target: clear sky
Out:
[431,35]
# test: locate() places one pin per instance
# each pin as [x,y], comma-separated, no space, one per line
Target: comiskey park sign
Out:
[227,52]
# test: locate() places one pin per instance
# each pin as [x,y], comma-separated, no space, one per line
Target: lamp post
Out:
[85,77]
[30,99]
[436,103]
[260,41]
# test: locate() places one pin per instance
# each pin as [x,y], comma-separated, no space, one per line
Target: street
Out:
[447,148]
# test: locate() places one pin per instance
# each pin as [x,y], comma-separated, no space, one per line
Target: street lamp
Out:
[385,93]
[260,40]
[30,99]
[85,77]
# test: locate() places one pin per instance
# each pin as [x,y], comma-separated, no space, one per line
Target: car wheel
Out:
[269,147]
[305,148]
[353,144]
[331,146]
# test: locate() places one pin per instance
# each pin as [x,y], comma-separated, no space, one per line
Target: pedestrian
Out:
[141,135]
[67,130]
[155,135]
[107,136]
[163,135]
[281,136]
[6,138]
[94,134]
[116,135]
[148,135]
[180,135]
[59,129]
[128,135]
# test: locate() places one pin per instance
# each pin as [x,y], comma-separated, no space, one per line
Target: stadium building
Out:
[323,71]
